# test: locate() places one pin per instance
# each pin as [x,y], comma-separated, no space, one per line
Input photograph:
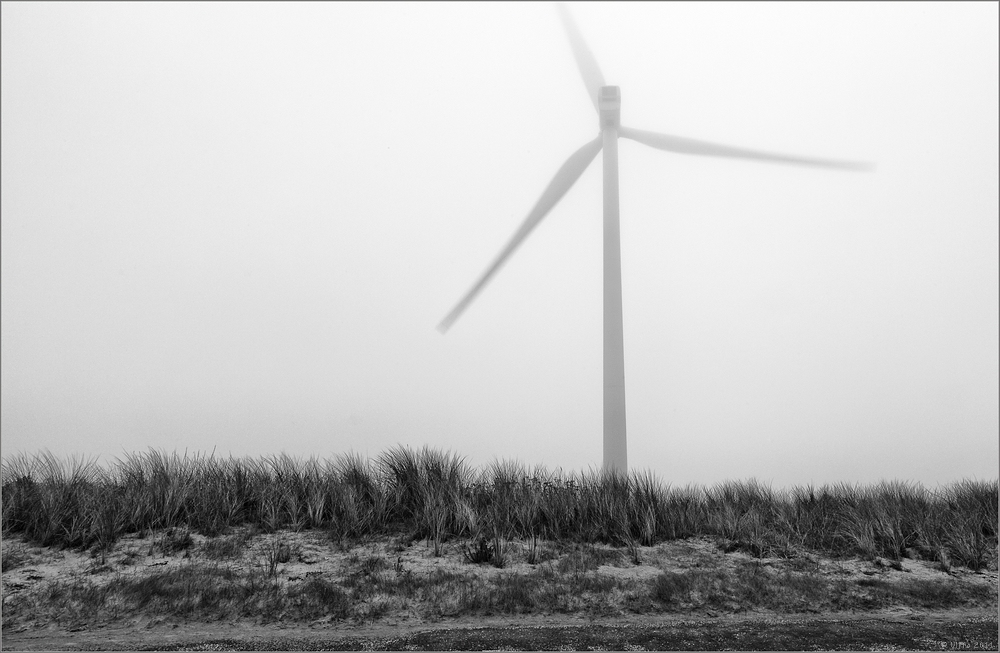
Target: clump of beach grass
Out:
[435,496]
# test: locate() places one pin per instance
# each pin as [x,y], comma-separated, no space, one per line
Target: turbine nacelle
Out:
[609,105]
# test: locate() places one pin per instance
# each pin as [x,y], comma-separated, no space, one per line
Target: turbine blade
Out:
[704,148]
[592,77]
[564,179]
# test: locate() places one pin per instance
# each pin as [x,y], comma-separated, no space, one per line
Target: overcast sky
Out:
[236,226]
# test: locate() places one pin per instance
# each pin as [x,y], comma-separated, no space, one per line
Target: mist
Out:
[234,228]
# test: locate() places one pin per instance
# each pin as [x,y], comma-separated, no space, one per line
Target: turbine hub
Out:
[609,100]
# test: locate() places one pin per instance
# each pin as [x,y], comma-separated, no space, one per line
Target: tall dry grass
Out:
[436,495]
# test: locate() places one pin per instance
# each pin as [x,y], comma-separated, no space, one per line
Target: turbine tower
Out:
[607,101]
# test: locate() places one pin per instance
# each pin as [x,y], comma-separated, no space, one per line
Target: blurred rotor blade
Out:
[592,77]
[562,182]
[704,148]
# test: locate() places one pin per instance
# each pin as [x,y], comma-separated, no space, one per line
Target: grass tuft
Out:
[434,496]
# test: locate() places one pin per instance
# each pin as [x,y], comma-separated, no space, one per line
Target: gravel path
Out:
[915,631]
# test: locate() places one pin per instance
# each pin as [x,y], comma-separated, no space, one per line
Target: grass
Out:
[210,591]
[786,591]
[227,547]
[435,495]
[547,543]
[13,557]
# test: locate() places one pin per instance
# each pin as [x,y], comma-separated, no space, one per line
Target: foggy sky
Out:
[235,227]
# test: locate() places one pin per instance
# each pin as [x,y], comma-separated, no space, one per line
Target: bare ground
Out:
[950,630]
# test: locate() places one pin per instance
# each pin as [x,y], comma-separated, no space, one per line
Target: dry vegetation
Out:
[420,536]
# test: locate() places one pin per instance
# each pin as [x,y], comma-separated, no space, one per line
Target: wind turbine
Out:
[607,101]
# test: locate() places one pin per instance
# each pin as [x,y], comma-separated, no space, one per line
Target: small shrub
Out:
[515,593]
[176,540]
[373,565]
[944,560]
[227,547]
[692,588]
[478,554]
[533,553]
[634,552]
[404,582]
[499,553]
[318,597]
[276,552]
[672,588]
[14,556]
